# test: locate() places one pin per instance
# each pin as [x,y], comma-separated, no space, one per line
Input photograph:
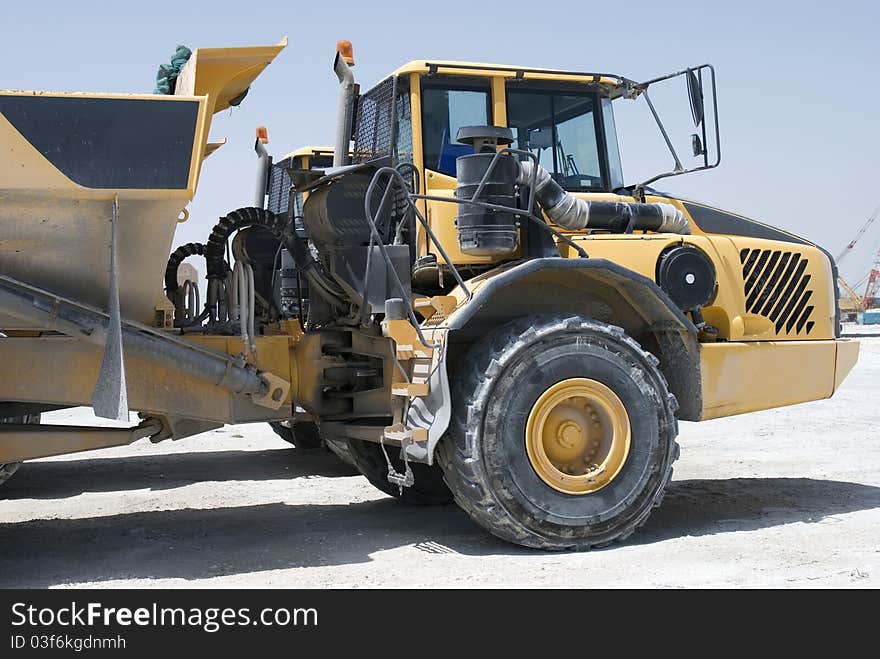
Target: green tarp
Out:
[167,75]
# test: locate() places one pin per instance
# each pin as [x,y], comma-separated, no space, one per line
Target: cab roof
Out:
[615,84]
[309,151]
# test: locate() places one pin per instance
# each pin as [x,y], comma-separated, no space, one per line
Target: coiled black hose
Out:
[284,231]
[177,257]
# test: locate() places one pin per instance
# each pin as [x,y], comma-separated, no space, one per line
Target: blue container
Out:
[871,317]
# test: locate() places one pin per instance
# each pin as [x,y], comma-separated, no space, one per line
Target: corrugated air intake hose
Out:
[574,213]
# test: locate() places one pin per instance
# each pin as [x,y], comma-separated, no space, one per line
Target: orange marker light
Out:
[263,134]
[345,50]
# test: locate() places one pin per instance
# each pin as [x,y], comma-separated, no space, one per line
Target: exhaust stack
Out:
[344,102]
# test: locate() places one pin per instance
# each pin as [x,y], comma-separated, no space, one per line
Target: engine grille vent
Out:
[777,288]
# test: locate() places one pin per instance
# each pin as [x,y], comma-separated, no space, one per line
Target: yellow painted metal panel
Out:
[847,356]
[728,311]
[506,70]
[441,218]
[222,74]
[415,90]
[24,168]
[746,377]
[38,377]
[273,353]
[308,151]
[151,387]
[499,101]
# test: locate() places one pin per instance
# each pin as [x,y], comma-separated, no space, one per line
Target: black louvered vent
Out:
[777,288]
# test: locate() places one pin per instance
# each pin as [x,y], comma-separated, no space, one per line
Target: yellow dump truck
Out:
[477,302]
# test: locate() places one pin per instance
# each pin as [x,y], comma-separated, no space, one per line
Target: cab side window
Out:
[447,105]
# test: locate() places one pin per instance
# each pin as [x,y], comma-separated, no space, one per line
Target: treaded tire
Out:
[483,454]
[302,434]
[429,489]
[8,469]
[341,450]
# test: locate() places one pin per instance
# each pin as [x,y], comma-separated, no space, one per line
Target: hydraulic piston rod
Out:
[47,312]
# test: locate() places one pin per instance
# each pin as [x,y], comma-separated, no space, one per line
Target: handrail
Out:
[530,213]
[395,178]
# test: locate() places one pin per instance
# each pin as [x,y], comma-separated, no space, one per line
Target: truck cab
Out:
[773,293]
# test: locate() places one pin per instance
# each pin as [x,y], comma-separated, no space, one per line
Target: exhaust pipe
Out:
[344,103]
[264,163]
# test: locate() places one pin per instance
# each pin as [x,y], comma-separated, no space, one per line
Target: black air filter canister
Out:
[484,232]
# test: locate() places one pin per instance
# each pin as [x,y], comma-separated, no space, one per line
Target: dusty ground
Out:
[789,497]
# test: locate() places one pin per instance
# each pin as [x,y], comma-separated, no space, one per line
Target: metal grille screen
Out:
[279,187]
[373,131]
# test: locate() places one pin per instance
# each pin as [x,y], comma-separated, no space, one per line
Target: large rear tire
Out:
[307,435]
[302,434]
[341,450]
[429,489]
[8,469]
[562,434]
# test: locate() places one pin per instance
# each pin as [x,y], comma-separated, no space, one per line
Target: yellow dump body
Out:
[67,156]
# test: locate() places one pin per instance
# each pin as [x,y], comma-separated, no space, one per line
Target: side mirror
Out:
[697,146]
[695,94]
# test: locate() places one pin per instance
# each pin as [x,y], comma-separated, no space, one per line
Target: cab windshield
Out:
[564,131]
[569,129]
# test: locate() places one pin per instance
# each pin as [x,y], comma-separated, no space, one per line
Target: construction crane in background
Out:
[852,243]
[851,303]
[872,291]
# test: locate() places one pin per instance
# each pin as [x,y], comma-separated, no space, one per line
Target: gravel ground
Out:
[782,498]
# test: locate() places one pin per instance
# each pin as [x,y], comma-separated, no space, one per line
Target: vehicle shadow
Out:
[65,478]
[706,507]
[200,544]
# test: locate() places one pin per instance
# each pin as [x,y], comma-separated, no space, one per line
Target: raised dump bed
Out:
[68,156]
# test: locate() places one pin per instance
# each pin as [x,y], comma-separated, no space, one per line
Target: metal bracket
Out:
[30,441]
[275,394]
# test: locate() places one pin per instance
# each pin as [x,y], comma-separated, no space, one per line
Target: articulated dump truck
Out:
[467,295]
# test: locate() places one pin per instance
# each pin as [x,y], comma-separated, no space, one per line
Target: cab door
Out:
[448,103]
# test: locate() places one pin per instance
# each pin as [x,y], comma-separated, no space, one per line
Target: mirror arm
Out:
[703,122]
[642,88]
[662,128]
[715,115]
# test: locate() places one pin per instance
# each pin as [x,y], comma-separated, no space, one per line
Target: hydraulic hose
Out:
[283,231]
[243,306]
[574,213]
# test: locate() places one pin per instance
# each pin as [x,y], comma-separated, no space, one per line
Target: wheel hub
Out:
[578,436]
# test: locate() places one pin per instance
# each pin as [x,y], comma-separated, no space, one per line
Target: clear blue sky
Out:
[797,82]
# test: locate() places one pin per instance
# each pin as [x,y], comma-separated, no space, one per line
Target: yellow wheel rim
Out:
[578,436]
